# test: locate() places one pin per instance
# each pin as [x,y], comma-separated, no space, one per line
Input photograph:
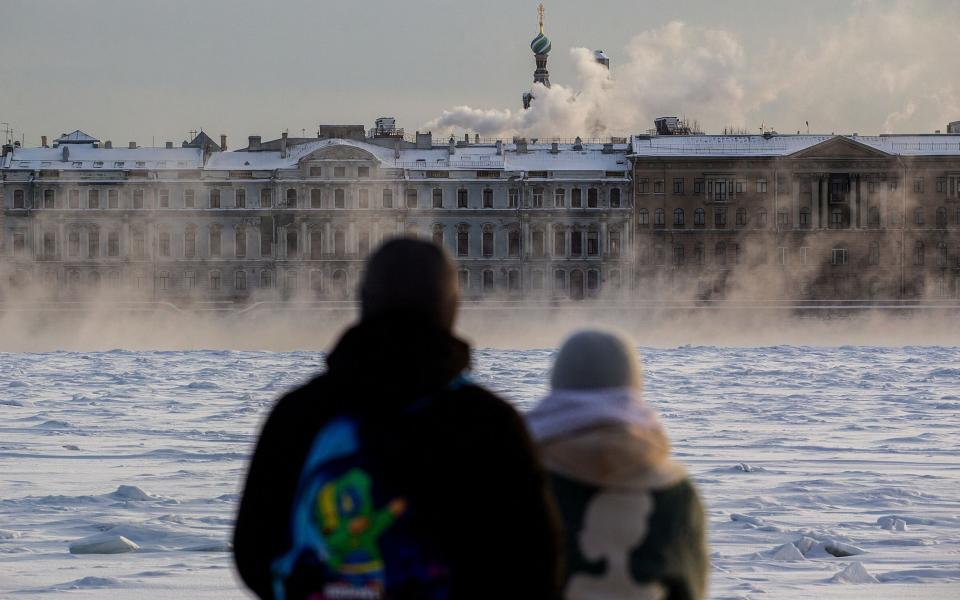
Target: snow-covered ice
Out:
[825,471]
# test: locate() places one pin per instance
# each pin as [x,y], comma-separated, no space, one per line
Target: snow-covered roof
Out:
[785,145]
[76,137]
[85,157]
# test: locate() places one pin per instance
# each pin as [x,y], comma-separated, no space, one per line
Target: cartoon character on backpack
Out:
[352,527]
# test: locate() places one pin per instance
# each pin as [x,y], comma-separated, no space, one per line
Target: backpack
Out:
[351,536]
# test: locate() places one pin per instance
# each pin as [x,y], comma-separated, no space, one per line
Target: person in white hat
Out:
[634,523]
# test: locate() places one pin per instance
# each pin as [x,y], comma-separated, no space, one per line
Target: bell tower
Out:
[541,49]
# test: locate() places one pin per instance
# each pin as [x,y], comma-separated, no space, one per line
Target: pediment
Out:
[340,152]
[840,147]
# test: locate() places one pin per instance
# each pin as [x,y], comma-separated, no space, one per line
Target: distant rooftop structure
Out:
[675,126]
[601,58]
[76,137]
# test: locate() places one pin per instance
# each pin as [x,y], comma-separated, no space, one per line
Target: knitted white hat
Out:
[592,359]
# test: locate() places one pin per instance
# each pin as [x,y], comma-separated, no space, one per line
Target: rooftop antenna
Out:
[808,127]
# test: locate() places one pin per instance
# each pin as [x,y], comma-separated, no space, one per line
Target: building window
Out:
[93,243]
[593,195]
[942,254]
[873,217]
[678,254]
[576,198]
[514,198]
[804,217]
[658,217]
[316,198]
[266,198]
[339,198]
[720,218]
[658,186]
[240,198]
[593,243]
[782,221]
[293,279]
[240,279]
[316,244]
[363,171]
[593,280]
[537,240]
[559,280]
[139,243]
[339,243]
[113,199]
[614,243]
[49,199]
[699,218]
[538,197]
[215,240]
[164,244]
[762,218]
[316,171]
[615,198]
[74,199]
[678,217]
[240,241]
[438,235]
[316,281]
[720,253]
[486,242]
[463,197]
[189,200]
[363,243]
[163,280]
[487,281]
[536,279]
[918,217]
[697,186]
[643,186]
[214,280]
[918,185]
[941,185]
[411,198]
[463,242]
[658,255]
[339,171]
[576,243]
[437,198]
[698,253]
[113,243]
[293,240]
[741,217]
[782,255]
[644,217]
[73,243]
[678,187]
[488,198]
[463,279]
[138,199]
[215,198]
[761,186]
[919,254]
[189,241]
[513,280]
[387,199]
[559,243]
[718,190]
[559,197]
[363,198]
[18,199]
[839,256]
[804,252]
[266,279]
[49,244]
[163,199]
[513,243]
[291,198]
[941,218]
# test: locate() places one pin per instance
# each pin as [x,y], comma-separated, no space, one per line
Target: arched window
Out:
[316,243]
[240,279]
[190,241]
[699,217]
[266,279]
[941,218]
[163,243]
[339,198]
[293,279]
[644,217]
[387,198]
[919,253]
[487,241]
[215,244]
[678,217]
[942,254]
[918,217]
[214,280]
[720,253]
[291,198]
[658,217]
[18,199]
[513,243]
[240,241]
[293,239]
[463,241]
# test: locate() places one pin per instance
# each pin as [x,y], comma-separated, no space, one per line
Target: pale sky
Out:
[153,70]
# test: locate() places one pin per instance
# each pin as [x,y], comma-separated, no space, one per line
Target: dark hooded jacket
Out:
[463,458]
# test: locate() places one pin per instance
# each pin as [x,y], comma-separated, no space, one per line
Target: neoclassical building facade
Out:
[295,218]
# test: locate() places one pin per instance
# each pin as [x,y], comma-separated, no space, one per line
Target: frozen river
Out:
[792,447]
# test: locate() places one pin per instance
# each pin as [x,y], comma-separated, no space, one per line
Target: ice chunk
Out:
[892,523]
[787,552]
[840,550]
[111,544]
[854,573]
[133,493]
[7,534]
[740,518]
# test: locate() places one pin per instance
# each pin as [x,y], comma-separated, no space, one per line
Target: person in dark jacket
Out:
[634,522]
[391,475]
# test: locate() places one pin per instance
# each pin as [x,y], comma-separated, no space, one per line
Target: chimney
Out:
[521,145]
[466,139]
[499,147]
[168,146]
[451,146]
[283,145]
[108,145]
[476,138]
[253,143]
[43,141]
[608,149]
[555,148]
[578,144]
[66,153]
[223,142]
[7,149]
[424,140]
[132,146]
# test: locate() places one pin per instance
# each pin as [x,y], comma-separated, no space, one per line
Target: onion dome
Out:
[540,44]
